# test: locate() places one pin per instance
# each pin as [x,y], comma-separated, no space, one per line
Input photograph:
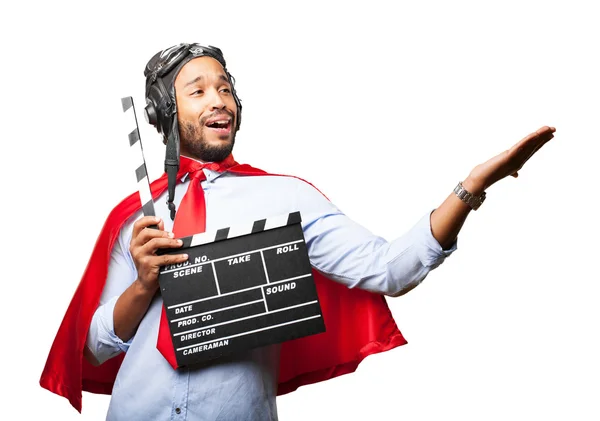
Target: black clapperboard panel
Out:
[241,288]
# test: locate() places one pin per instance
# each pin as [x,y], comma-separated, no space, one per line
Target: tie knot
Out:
[196,170]
[213,166]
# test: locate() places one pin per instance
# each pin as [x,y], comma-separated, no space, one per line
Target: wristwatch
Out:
[469,198]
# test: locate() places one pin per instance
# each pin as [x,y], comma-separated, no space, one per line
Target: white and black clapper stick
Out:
[137,156]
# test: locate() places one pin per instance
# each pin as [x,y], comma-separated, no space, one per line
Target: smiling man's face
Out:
[206,110]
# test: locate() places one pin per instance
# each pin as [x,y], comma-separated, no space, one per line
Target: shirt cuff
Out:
[107,315]
[102,340]
[429,250]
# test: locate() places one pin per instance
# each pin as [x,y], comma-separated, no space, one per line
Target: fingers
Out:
[546,129]
[147,235]
[145,222]
[539,136]
[148,267]
[528,146]
[141,235]
[544,135]
[145,242]
[538,147]
[150,263]
[169,259]
[143,247]
[531,143]
[156,243]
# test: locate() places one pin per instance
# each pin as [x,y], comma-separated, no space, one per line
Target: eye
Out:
[226,90]
[198,92]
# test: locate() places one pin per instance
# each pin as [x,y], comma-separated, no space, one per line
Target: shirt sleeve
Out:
[102,340]
[348,253]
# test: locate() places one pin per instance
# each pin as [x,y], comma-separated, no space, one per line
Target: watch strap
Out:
[469,198]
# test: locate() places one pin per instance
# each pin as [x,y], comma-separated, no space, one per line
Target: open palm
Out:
[512,160]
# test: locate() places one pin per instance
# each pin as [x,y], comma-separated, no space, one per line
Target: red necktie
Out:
[189,220]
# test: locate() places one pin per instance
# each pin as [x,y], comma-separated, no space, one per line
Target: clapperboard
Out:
[242,287]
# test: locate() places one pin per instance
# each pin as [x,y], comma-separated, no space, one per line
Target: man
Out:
[202,121]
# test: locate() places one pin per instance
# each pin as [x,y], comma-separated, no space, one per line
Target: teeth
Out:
[218,123]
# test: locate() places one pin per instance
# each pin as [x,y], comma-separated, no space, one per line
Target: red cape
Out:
[358,323]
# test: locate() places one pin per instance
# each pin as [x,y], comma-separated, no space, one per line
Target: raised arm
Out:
[448,219]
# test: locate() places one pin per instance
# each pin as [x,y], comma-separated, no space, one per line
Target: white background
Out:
[384,107]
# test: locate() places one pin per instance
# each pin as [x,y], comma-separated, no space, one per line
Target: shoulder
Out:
[285,182]
[304,194]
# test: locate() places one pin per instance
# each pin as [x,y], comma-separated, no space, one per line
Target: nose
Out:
[217,102]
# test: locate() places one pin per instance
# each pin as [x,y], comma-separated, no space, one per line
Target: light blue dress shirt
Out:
[244,388]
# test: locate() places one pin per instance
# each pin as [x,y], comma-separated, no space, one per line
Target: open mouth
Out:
[222,125]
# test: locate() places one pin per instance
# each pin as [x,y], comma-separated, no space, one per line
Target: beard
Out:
[193,140]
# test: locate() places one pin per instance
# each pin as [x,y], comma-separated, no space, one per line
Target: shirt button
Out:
[178,410]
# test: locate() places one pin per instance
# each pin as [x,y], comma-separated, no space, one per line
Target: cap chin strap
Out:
[172,163]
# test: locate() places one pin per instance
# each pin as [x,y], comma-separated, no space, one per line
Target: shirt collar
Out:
[210,174]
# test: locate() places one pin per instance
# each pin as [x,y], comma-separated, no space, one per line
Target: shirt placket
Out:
[180,398]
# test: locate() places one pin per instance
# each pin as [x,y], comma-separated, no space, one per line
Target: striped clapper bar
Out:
[137,156]
[242,287]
